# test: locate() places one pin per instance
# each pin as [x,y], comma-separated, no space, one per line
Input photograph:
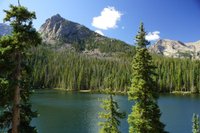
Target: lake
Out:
[65,112]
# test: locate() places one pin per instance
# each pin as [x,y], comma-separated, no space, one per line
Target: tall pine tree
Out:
[111,114]
[145,116]
[14,88]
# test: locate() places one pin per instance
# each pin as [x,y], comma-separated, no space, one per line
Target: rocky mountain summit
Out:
[57,29]
[5,29]
[176,49]
[60,32]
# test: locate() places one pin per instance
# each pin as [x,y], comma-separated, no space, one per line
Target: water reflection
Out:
[62,112]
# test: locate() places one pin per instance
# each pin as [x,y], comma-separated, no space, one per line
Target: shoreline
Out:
[125,93]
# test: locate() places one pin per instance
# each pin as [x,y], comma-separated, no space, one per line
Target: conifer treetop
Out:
[140,37]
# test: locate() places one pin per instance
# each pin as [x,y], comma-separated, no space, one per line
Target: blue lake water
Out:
[64,112]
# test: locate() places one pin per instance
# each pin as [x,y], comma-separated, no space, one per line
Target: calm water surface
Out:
[64,112]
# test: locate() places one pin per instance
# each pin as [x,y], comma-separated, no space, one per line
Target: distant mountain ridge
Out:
[62,33]
[5,29]
[176,49]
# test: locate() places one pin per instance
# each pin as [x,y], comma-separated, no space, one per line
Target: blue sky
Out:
[165,19]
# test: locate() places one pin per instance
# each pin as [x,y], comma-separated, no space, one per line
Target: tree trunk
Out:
[16,97]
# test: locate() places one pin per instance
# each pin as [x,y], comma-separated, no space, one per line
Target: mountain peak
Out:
[57,29]
[72,35]
[56,18]
[172,48]
[57,15]
[169,40]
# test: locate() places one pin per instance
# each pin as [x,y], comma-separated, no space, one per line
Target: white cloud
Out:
[99,32]
[108,19]
[153,36]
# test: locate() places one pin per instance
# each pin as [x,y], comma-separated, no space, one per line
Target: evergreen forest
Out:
[72,70]
[94,63]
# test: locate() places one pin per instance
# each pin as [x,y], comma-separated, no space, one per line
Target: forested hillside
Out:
[74,57]
[71,70]
[76,71]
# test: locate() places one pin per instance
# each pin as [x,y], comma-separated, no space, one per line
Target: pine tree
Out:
[195,126]
[111,115]
[145,116]
[14,71]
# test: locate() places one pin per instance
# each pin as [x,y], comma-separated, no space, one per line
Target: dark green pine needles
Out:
[111,114]
[14,79]
[195,122]
[145,116]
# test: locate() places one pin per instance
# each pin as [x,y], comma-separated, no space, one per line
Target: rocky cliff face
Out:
[176,49]
[194,45]
[58,29]
[5,29]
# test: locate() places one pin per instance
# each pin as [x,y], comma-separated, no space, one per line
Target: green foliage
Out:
[177,74]
[145,116]
[186,54]
[111,115]
[73,71]
[53,69]
[79,46]
[141,42]
[112,46]
[195,126]
[14,69]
